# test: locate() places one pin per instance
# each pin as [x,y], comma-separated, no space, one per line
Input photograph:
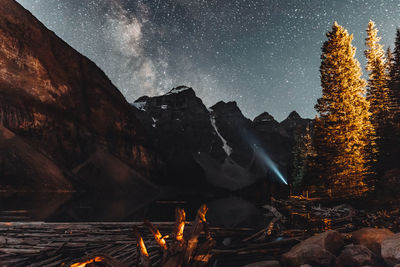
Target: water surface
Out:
[231,211]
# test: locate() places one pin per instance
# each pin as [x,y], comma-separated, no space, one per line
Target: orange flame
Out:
[180,219]
[83,264]
[143,247]
[160,240]
[202,212]
[157,235]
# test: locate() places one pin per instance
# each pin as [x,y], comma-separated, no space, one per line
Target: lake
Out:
[228,211]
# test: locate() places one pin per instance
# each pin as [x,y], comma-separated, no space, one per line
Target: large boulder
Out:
[390,249]
[332,241]
[357,255]
[305,253]
[317,250]
[371,238]
[264,264]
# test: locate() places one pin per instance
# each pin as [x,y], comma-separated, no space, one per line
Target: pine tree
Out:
[378,93]
[302,153]
[394,84]
[389,62]
[343,129]
[394,92]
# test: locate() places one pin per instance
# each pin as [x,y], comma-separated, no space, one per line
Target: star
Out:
[223,49]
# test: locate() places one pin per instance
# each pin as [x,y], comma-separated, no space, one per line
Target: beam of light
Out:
[268,161]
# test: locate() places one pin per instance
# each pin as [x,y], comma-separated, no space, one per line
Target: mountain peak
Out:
[221,105]
[294,115]
[180,89]
[263,117]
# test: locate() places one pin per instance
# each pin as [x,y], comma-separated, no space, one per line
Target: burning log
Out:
[157,235]
[180,216]
[194,235]
[103,260]
[144,259]
[83,264]
[180,252]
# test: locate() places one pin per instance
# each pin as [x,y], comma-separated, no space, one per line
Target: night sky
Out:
[263,54]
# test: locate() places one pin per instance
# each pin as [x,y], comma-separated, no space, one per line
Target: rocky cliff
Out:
[60,101]
[217,146]
[181,127]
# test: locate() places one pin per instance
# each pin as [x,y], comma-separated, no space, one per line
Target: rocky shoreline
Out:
[364,247]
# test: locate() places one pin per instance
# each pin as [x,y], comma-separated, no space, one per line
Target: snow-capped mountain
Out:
[215,145]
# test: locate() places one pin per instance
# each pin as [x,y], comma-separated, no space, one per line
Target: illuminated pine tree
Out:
[377,88]
[378,93]
[343,129]
[389,62]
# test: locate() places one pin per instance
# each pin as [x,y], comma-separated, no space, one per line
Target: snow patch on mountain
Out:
[177,90]
[225,146]
[154,122]
[140,105]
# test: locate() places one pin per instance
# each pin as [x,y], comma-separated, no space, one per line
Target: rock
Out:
[371,238]
[330,240]
[264,264]
[356,255]
[317,250]
[307,253]
[59,100]
[390,249]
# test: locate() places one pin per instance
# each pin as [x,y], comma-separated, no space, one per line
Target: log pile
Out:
[180,251]
[130,244]
[136,244]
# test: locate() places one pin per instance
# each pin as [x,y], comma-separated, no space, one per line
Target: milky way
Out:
[263,54]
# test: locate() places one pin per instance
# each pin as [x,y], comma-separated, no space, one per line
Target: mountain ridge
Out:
[66,109]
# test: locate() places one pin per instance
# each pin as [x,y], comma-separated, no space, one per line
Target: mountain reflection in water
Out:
[55,207]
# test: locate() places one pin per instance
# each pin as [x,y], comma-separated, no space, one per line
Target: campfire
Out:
[179,251]
[180,248]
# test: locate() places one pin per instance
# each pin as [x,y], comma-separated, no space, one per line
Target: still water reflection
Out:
[52,207]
